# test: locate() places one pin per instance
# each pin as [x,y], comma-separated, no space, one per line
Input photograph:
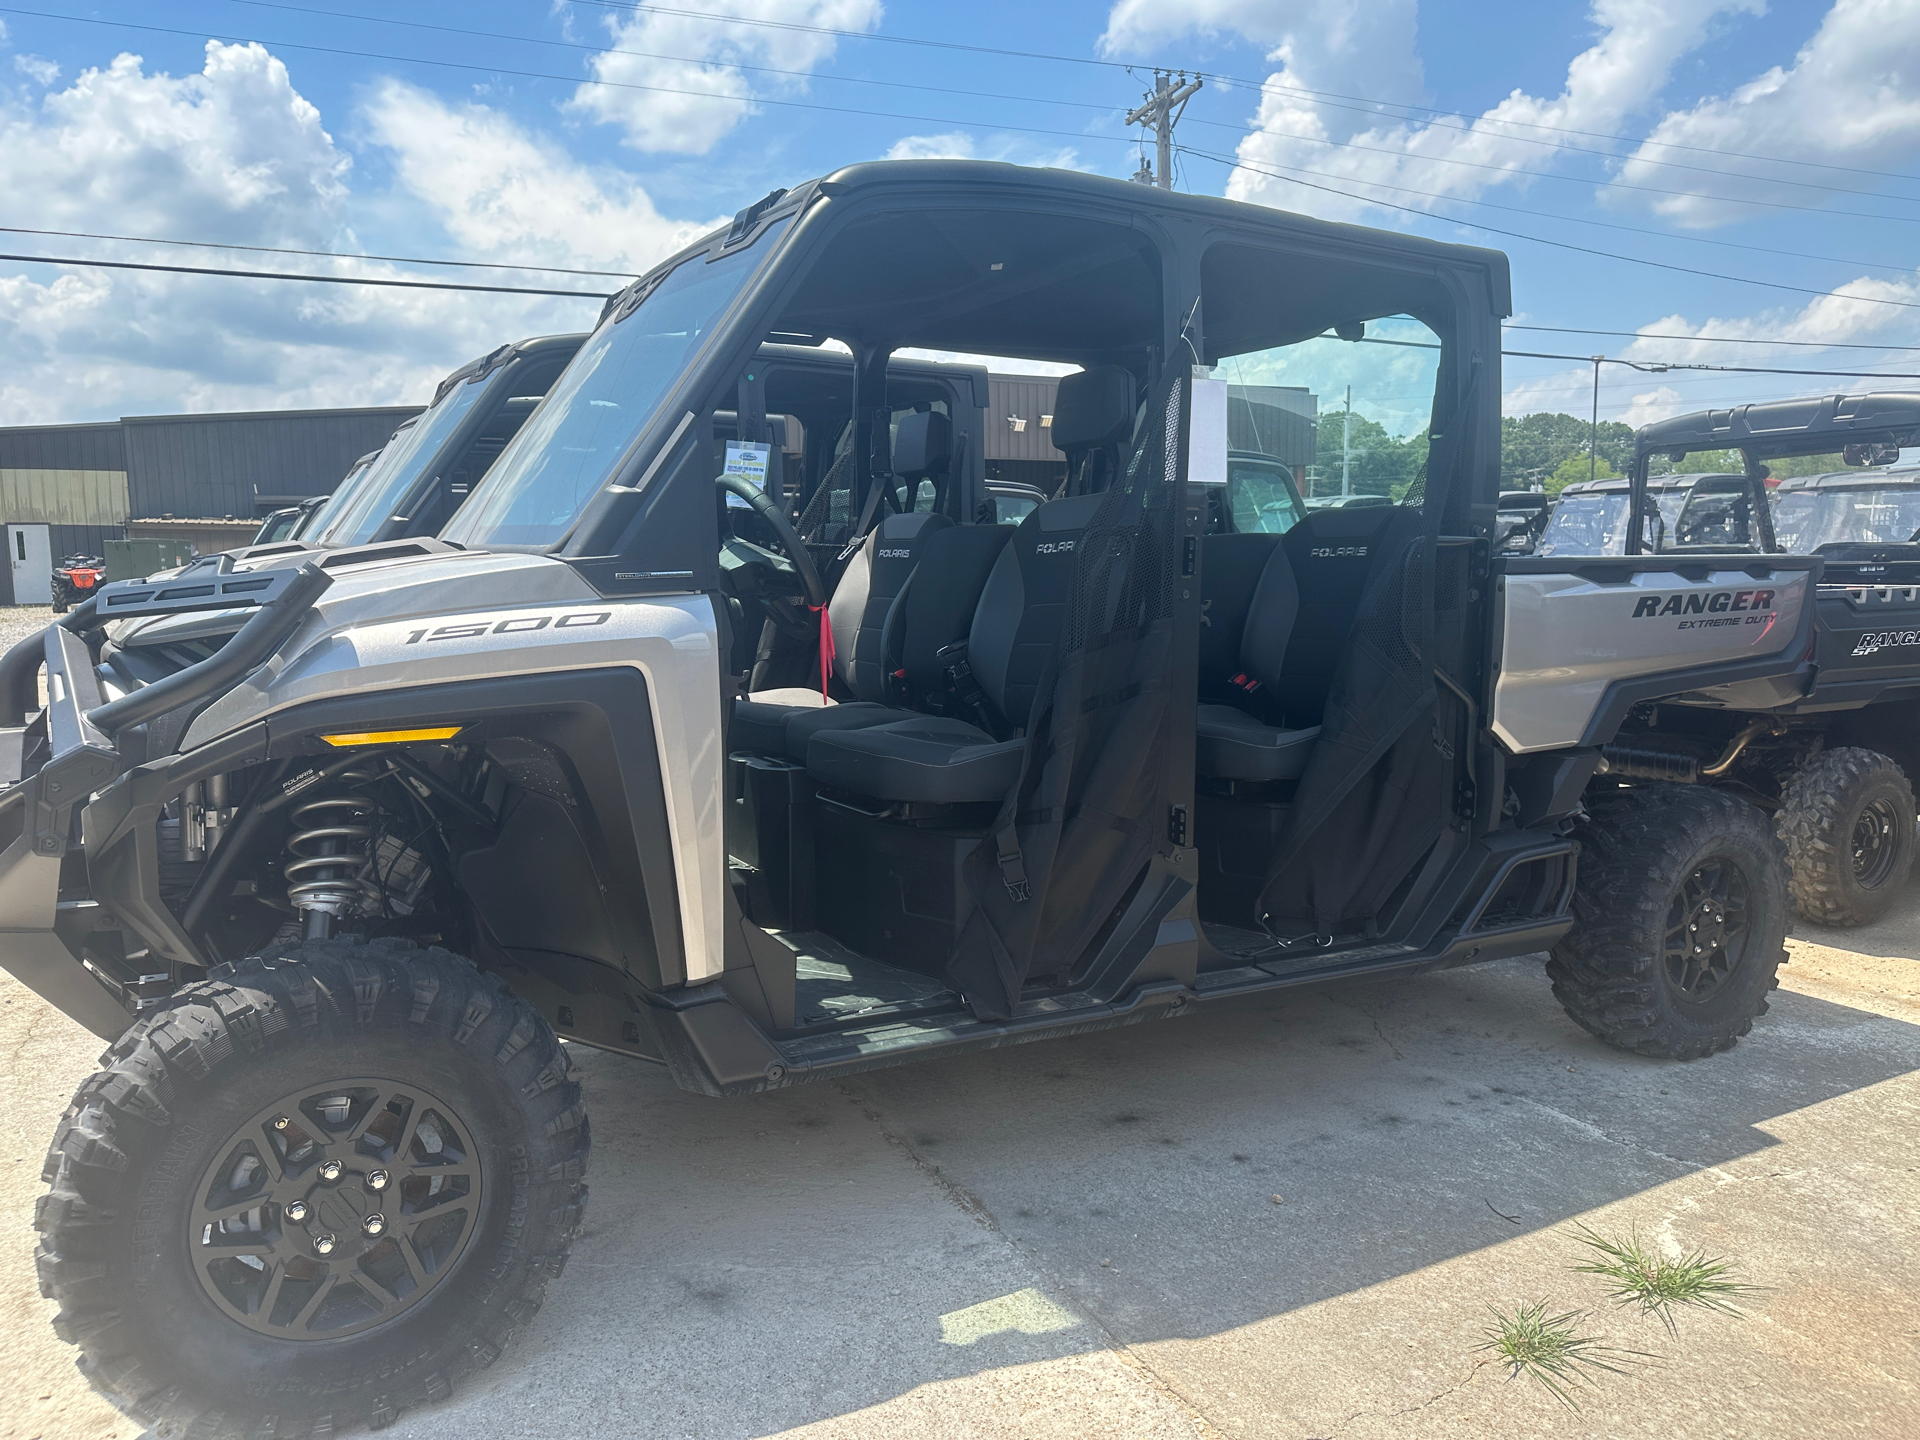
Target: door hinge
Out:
[1176,825]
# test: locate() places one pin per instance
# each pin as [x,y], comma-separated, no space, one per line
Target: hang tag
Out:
[748,459]
[1207,430]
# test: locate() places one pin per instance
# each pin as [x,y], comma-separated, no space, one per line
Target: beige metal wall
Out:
[63,497]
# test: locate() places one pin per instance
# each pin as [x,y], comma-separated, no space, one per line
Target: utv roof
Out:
[1618,485]
[1788,427]
[1880,479]
[534,347]
[929,178]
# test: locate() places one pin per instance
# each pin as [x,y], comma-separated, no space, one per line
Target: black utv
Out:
[1831,747]
[731,731]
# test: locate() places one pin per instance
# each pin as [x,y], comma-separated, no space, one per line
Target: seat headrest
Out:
[1092,408]
[921,444]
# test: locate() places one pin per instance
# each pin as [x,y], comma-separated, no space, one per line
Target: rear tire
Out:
[1847,819]
[401,1206]
[1681,915]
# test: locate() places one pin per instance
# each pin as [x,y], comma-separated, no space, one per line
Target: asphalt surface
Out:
[1080,1237]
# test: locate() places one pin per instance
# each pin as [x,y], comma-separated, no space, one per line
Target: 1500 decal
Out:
[516,625]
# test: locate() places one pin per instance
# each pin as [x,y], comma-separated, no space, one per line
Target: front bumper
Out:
[69,759]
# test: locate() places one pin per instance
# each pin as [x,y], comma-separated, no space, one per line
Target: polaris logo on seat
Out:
[1053,547]
[1339,552]
[893,554]
[1700,602]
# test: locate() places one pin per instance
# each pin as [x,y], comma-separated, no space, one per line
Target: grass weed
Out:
[1551,1349]
[1654,1285]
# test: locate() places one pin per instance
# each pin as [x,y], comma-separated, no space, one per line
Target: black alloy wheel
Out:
[1706,932]
[336,1208]
[1847,819]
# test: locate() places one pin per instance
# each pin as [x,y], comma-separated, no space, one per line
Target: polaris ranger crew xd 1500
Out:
[770,769]
[1831,746]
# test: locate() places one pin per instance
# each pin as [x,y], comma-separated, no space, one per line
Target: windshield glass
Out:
[1596,524]
[567,450]
[1807,519]
[352,519]
[1261,496]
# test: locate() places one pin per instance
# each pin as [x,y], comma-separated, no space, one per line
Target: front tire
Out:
[1681,918]
[312,1190]
[1847,820]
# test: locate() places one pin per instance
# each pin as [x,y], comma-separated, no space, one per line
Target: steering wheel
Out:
[797,562]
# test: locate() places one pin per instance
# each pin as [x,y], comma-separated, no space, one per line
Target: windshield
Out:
[1804,520]
[1261,495]
[352,518]
[567,450]
[1597,524]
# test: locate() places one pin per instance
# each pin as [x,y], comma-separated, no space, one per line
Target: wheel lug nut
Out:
[323,1244]
[329,1169]
[377,1180]
[296,1211]
[374,1224]
[280,1122]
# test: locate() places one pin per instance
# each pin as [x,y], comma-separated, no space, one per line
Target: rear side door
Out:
[1582,639]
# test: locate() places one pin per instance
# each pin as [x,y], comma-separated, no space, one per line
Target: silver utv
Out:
[727,728]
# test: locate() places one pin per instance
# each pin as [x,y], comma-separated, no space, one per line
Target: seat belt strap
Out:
[1013,865]
[826,647]
[952,659]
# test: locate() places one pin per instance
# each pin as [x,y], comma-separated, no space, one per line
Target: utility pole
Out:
[1346,448]
[1593,437]
[1160,113]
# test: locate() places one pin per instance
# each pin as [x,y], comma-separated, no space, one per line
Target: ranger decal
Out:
[1877,640]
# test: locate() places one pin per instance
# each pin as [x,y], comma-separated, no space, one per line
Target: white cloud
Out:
[693,123]
[1851,97]
[959,145]
[954,145]
[234,152]
[40,71]
[1659,403]
[500,191]
[1357,48]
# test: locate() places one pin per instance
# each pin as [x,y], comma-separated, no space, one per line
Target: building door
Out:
[30,553]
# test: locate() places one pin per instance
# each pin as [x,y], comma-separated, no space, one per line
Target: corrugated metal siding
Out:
[64,497]
[82,539]
[63,447]
[216,465]
[1024,397]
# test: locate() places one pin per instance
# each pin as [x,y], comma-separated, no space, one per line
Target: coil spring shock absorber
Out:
[330,876]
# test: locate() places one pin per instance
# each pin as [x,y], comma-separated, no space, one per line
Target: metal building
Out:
[89,483]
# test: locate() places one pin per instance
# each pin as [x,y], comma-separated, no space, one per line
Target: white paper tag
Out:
[1207,430]
[748,460]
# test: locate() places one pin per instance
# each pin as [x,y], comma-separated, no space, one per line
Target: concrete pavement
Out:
[1080,1237]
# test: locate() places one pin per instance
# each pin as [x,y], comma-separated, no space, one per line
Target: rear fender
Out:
[1584,640]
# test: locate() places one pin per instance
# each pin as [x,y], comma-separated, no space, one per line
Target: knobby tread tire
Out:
[114,1164]
[1818,808]
[1637,847]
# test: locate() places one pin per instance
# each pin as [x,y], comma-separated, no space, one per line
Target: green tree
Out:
[1379,463]
[1574,469]
[1533,447]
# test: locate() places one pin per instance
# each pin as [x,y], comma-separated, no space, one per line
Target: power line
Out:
[746,100]
[1707,339]
[750,100]
[322,254]
[293,275]
[724,64]
[1540,240]
[1260,85]
[1659,367]
[707,61]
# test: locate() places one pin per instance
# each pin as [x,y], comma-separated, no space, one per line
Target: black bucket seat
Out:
[944,759]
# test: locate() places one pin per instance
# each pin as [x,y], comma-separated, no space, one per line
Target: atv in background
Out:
[1832,749]
[74,581]
[1521,520]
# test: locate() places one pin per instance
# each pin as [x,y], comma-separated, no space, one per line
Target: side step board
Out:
[712,1047]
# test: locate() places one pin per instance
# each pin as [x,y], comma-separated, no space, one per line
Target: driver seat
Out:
[857,611]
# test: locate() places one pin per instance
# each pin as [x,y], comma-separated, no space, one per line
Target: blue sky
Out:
[1668,130]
